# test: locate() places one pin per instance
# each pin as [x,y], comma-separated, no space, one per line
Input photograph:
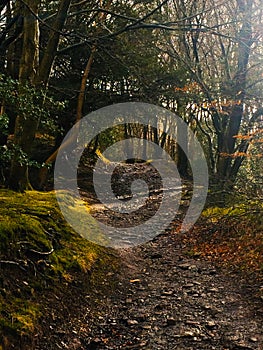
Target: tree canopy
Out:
[200,59]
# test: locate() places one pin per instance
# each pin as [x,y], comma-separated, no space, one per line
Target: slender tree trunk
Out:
[52,44]
[225,164]
[182,143]
[145,141]
[81,96]
[25,125]
[14,50]
[44,171]
[30,72]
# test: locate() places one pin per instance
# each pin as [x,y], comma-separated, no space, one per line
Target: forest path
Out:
[164,299]
[172,302]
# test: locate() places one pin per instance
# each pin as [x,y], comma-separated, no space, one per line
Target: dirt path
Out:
[167,301]
[164,300]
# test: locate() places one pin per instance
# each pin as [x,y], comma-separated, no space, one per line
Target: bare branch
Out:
[98,10]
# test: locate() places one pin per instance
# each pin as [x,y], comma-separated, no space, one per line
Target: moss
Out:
[32,224]
[249,210]
[77,213]
[24,317]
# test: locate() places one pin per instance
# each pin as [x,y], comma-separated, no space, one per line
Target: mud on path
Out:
[164,300]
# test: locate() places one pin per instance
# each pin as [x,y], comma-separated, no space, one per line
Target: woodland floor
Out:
[160,299]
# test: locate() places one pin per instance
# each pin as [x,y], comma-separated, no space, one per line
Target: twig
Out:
[8,262]
[41,253]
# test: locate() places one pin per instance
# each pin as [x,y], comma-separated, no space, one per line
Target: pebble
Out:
[188,285]
[197,283]
[147,326]
[188,334]
[168,293]
[132,322]
[184,266]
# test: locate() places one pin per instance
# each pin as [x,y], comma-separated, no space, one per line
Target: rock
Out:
[132,322]
[197,283]
[188,334]
[168,293]
[65,346]
[184,266]
[242,345]
[136,280]
[143,343]
[147,326]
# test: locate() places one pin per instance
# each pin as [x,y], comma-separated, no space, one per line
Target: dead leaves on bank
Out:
[234,240]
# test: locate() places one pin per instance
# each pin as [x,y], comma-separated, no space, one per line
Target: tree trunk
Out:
[83,84]
[52,44]
[225,163]
[14,49]
[182,143]
[25,125]
[31,72]
[44,171]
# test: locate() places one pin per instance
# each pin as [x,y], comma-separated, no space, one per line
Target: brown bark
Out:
[83,84]
[225,164]
[14,50]
[25,125]
[44,171]
[52,44]
[86,73]
[31,72]
[182,144]
[80,102]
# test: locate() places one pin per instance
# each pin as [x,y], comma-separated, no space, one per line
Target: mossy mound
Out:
[40,255]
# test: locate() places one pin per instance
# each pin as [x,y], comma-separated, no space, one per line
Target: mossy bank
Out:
[42,260]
